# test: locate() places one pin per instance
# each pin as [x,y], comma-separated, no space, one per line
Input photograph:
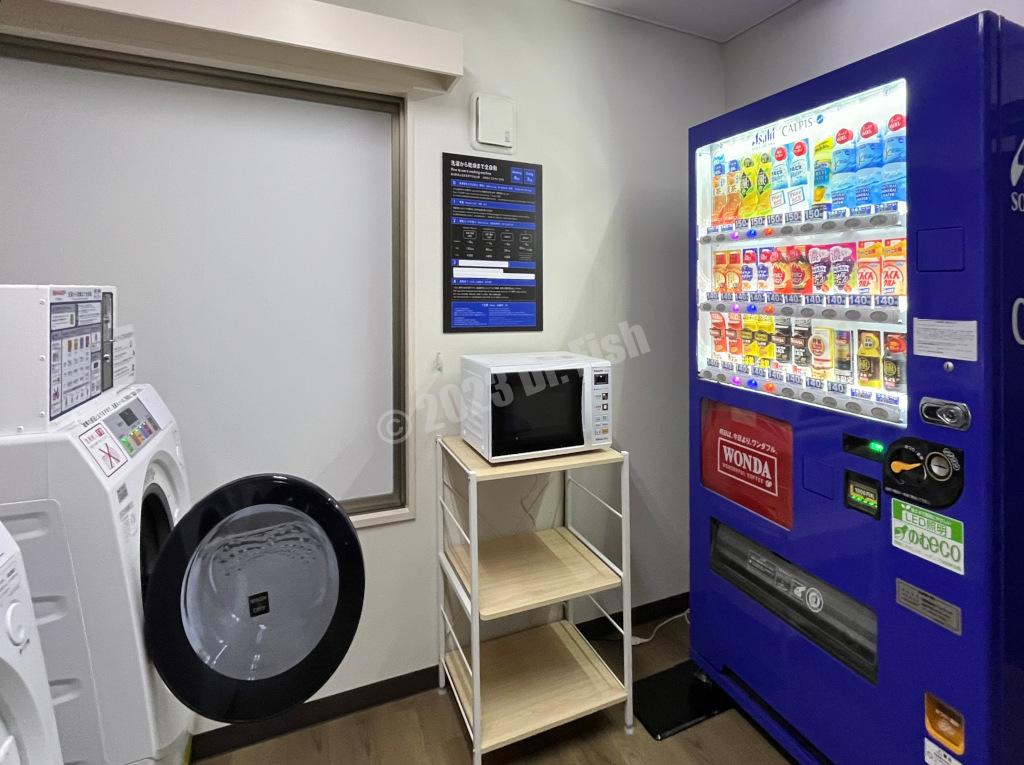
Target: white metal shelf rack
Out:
[518,685]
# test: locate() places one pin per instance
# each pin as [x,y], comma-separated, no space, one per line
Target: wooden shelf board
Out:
[485,471]
[534,681]
[531,570]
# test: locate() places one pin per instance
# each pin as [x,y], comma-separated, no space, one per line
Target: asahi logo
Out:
[748,466]
[1016,174]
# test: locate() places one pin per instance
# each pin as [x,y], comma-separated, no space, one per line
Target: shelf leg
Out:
[474,558]
[627,593]
[441,634]
[570,605]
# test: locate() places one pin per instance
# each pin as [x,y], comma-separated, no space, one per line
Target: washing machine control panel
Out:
[132,426]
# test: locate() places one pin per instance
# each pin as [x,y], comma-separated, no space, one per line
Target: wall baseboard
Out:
[658,609]
[231,737]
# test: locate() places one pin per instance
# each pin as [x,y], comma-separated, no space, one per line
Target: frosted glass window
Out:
[251,237]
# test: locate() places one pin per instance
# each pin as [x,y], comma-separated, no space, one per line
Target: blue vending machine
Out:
[857,401]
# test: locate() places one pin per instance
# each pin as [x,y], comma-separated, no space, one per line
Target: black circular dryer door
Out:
[255,598]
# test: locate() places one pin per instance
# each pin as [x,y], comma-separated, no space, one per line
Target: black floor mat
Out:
[676,699]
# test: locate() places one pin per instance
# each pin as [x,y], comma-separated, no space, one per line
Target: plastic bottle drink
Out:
[868,185]
[801,279]
[799,195]
[765,281]
[719,192]
[780,179]
[823,173]
[844,169]
[748,186]
[731,211]
[894,170]
[764,184]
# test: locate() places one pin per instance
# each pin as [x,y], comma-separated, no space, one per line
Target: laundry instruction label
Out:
[931,536]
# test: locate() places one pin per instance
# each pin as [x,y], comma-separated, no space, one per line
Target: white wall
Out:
[604,105]
[816,36]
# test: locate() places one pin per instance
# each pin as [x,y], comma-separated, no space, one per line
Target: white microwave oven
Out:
[521,405]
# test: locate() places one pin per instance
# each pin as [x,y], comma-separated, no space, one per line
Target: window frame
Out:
[367,510]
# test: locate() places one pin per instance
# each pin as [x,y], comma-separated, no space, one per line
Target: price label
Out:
[728,366]
[771,297]
[757,222]
[839,300]
[757,372]
[713,362]
[816,384]
[814,215]
[743,369]
[794,217]
[842,212]
[797,380]
[864,301]
[774,220]
[814,300]
[837,387]
[794,299]
[887,301]
[774,374]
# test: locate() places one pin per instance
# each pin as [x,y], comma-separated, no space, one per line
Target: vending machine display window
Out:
[802,257]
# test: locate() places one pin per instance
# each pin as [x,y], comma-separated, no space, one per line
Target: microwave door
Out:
[536,411]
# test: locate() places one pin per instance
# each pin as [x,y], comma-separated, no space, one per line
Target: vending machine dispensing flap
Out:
[255,598]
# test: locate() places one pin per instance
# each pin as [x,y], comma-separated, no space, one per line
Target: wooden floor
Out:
[427,728]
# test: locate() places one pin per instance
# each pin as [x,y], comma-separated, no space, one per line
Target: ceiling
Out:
[718,20]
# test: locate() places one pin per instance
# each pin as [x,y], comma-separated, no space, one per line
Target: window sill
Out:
[381,517]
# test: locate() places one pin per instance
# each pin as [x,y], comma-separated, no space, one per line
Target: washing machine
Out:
[28,730]
[152,609]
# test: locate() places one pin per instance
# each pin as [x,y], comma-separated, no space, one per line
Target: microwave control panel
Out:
[602,414]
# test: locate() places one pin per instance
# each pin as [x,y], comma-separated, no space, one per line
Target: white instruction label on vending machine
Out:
[936,755]
[946,339]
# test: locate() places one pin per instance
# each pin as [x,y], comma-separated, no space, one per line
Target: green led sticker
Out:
[931,536]
[877,447]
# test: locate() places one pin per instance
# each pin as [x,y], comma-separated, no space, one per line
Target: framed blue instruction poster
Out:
[493,276]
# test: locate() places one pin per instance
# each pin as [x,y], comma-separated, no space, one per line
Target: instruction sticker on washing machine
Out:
[931,536]
[936,755]
[104,448]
